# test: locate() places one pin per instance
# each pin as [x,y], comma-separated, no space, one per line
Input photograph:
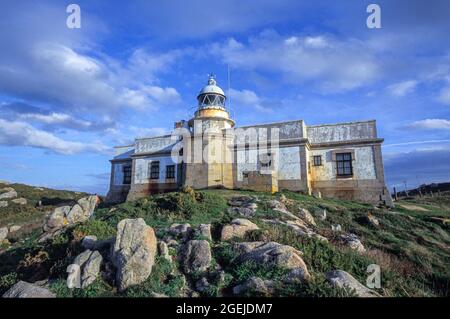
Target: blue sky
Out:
[68,95]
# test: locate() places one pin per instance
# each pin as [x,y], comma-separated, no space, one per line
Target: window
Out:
[126,174]
[170,171]
[266,160]
[154,170]
[344,164]
[317,160]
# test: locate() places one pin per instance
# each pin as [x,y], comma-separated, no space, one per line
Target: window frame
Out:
[154,174]
[127,172]
[172,171]
[341,160]
[319,157]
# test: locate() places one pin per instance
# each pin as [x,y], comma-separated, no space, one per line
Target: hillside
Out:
[236,243]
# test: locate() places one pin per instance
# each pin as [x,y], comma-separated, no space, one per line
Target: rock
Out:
[372,220]
[89,242]
[88,205]
[255,286]
[39,188]
[281,208]
[342,279]
[202,284]
[298,226]
[196,256]
[14,228]
[163,250]
[3,203]
[238,228]
[336,228]
[57,219]
[317,194]
[243,206]
[134,252]
[306,216]
[296,275]
[24,289]
[76,214]
[352,241]
[272,254]
[3,233]
[74,276]
[321,214]
[9,193]
[204,230]
[183,230]
[89,263]
[19,201]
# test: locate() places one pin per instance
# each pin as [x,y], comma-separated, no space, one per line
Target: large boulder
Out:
[237,229]
[272,254]
[255,286]
[134,252]
[196,256]
[342,279]
[24,289]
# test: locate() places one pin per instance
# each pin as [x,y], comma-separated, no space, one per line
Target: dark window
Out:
[154,170]
[170,171]
[127,174]
[244,175]
[344,164]
[317,160]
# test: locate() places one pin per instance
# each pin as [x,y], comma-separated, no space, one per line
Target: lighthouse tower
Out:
[211,156]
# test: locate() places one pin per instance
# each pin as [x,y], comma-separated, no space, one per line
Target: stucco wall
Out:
[155,144]
[118,173]
[363,165]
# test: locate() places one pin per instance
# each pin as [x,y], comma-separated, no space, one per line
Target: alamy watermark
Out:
[74,19]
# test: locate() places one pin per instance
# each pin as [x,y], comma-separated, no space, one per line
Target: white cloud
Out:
[430,124]
[248,99]
[402,88]
[18,133]
[331,64]
[444,96]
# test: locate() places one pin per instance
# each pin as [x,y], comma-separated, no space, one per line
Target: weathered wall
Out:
[363,164]
[341,132]
[154,144]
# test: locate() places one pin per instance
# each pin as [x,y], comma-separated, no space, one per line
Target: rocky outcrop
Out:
[306,216]
[237,229]
[68,215]
[255,286]
[298,226]
[372,220]
[14,228]
[8,193]
[24,289]
[134,252]
[89,263]
[271,254]
[342,279]
[242,205]
[3,203]
[196,256]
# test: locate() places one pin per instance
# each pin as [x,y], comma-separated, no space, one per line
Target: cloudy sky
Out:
[68,95]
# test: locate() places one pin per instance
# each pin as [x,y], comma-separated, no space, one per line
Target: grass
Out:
[412,250]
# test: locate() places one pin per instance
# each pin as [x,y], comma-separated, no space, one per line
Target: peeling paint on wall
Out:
[341,132]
